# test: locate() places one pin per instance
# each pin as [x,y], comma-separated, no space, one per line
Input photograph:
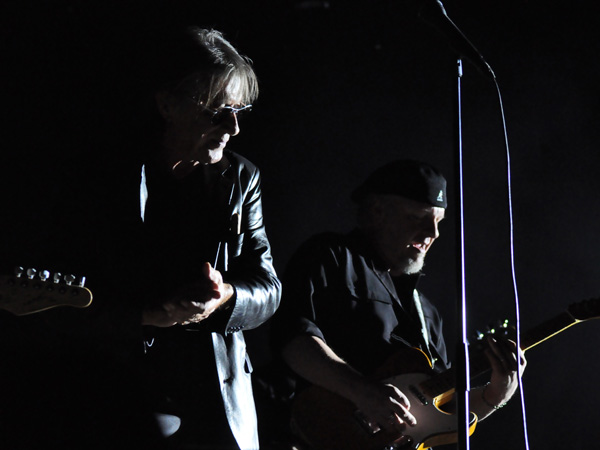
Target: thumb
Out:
[207,270]
[210,273]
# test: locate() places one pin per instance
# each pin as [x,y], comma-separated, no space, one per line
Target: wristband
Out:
[496,407]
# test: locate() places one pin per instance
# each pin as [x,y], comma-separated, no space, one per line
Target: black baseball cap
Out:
[408,178]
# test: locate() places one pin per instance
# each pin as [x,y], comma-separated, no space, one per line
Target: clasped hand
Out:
[191,303]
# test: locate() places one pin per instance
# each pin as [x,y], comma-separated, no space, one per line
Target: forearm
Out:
[484,402]
[256,297]
[183,309]
[315,361]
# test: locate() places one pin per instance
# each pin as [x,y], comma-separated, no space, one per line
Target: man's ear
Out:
[377,210]
[370,213]
[164,104]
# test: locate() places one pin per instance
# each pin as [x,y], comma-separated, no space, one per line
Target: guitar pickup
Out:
[417,393]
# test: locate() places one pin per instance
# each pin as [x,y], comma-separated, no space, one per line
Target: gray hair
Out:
[201,64]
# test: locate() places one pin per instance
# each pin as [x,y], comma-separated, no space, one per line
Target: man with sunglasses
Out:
[206,261]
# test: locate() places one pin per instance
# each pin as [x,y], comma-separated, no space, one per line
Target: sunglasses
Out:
[221,114]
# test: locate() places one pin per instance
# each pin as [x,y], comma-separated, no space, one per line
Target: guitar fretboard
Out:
[445,381]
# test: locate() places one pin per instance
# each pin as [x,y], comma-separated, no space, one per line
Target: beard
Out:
[410,266]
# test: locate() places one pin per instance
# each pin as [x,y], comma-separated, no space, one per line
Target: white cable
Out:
[512,260]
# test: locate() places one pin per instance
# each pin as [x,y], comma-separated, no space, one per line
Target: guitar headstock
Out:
[30,291]
[585,310]
[498,328]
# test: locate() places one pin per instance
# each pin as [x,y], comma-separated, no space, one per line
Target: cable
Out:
[512,259]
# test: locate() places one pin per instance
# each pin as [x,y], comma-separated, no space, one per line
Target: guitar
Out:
[327,421]
[28,292]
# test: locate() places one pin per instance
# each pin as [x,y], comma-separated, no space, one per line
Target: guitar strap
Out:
[412,327]
[419,308]
[410,330]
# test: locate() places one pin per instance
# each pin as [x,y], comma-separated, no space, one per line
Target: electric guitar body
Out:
[327,421]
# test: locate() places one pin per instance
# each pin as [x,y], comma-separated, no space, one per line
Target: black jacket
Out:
[243,256]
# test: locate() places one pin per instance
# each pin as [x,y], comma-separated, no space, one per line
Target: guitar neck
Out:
[478,363]
[546,330]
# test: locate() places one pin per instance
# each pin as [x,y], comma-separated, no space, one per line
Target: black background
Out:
[346,87]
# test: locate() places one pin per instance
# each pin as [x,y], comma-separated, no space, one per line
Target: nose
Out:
[231,125]
[430,228]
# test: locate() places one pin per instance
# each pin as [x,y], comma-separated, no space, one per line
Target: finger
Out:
[499,354]
[191,307]
[522,359]
[402,406]
[508,352]
[395,422]
[212,275]
[207,269]
[399,397]
[399,422]
[404,401]
[406,417]
[494,361]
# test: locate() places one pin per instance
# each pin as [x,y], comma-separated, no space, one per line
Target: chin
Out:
[412,266]
[211,156]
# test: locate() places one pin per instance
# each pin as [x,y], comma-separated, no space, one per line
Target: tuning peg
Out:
[82,282]
[19,272]
[56,277]
[31,273]
[44,275]
[490,329]
[69,279]
[479,335]
[503,323]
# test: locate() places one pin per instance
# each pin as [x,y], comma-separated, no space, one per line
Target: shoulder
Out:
[245,172]
[322,247]
[241,164]
[327,240]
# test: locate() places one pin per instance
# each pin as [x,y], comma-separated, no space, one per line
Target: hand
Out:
[384,406]
[192,303]
[502,355]
[208,295]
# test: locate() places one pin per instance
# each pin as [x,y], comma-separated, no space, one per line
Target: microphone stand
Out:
[462,349]
[433,12]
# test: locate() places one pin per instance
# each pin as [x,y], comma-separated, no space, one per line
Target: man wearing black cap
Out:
[350,303]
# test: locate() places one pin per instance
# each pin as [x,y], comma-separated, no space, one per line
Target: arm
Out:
[251,272]
[248,292]
[314,360]
[193,303]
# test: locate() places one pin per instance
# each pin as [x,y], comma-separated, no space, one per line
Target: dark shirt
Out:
[334,290]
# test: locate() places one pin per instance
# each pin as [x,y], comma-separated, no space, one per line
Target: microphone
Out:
[433,12]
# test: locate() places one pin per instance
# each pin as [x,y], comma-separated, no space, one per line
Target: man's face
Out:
[192,135]
[403,231]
